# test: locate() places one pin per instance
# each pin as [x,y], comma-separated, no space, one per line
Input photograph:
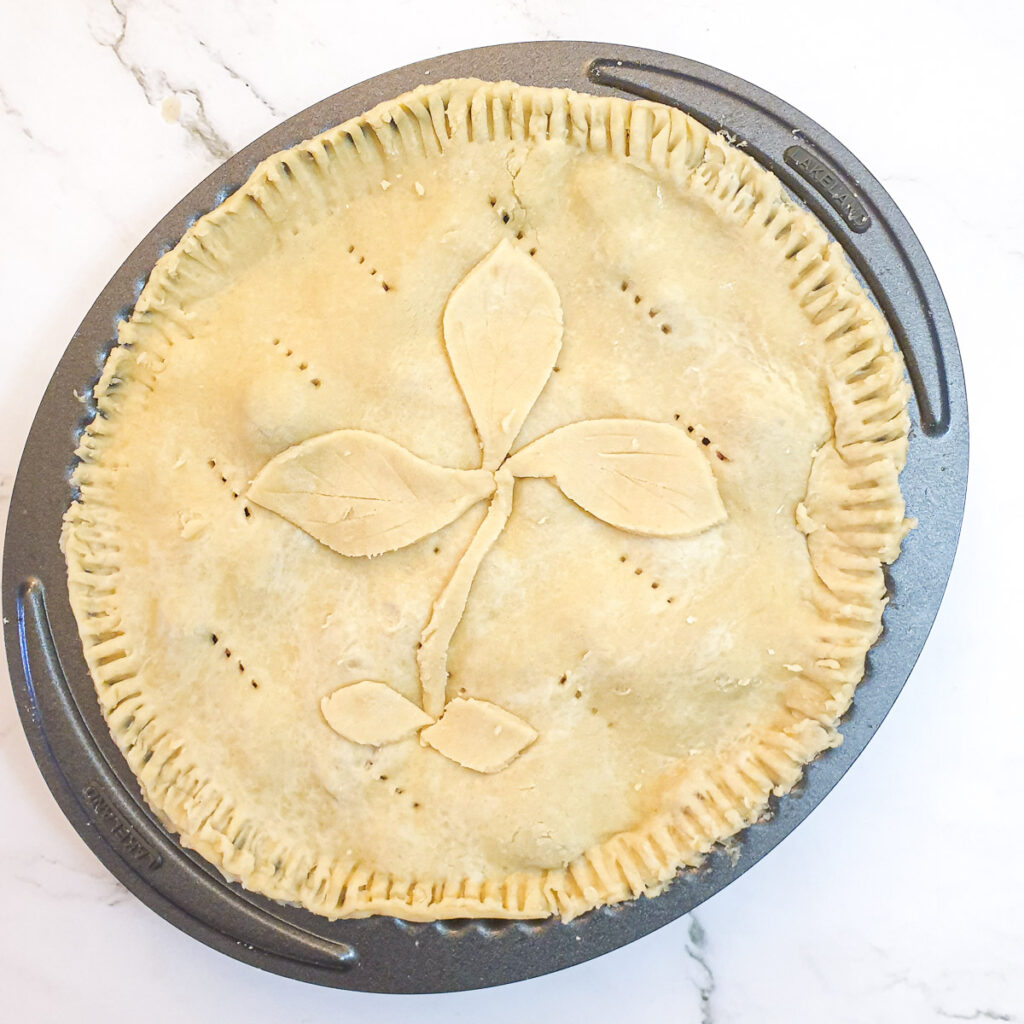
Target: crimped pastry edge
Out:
[850,536]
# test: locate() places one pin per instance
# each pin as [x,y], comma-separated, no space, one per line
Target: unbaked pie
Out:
[486,508]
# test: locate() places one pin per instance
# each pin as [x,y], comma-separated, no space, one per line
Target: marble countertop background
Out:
[901,898]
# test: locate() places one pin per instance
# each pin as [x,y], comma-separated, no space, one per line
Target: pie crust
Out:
[486,507]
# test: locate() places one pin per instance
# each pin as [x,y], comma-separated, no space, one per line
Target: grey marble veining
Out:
[157,88]
[14,117]
[697,951]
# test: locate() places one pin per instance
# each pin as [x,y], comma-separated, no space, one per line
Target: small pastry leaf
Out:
[643,477]
[503,332]
[479,735]
[372,713]
[362,494]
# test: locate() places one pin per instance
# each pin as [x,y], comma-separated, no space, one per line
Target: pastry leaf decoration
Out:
[362,494]
[479,735]
[371,712]
[643,477]
[503,332]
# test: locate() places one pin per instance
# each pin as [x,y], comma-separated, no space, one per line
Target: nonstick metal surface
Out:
[86,772]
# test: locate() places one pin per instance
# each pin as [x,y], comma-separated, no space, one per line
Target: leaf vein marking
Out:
[653,487]
[335,495]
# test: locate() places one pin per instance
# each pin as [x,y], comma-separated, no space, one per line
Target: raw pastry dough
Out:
[621,433]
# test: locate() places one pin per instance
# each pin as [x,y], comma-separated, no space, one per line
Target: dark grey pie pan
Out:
[89,777]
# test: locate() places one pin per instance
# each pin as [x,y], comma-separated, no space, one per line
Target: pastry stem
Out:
[446,614]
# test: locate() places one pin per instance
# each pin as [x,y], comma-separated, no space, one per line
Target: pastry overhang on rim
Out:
[661,675]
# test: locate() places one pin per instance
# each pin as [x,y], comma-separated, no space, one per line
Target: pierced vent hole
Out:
[653,313]
[235,494]
[374,271]
[229,656]
[302,366]
[705,441]
[638,571]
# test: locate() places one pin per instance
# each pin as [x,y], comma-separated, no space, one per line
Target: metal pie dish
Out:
[56,699]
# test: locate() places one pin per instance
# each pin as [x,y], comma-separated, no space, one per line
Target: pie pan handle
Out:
[117,829]
[830,181]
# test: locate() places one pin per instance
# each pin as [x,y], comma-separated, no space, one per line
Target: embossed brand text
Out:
[839,194]
[118,832]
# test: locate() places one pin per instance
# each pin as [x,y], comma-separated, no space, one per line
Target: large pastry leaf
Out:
[362,494]
[643,477]
[503,332]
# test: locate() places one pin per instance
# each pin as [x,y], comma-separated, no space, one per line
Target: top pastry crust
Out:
[486,508]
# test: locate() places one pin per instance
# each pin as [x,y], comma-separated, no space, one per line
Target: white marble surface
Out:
[901,898]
